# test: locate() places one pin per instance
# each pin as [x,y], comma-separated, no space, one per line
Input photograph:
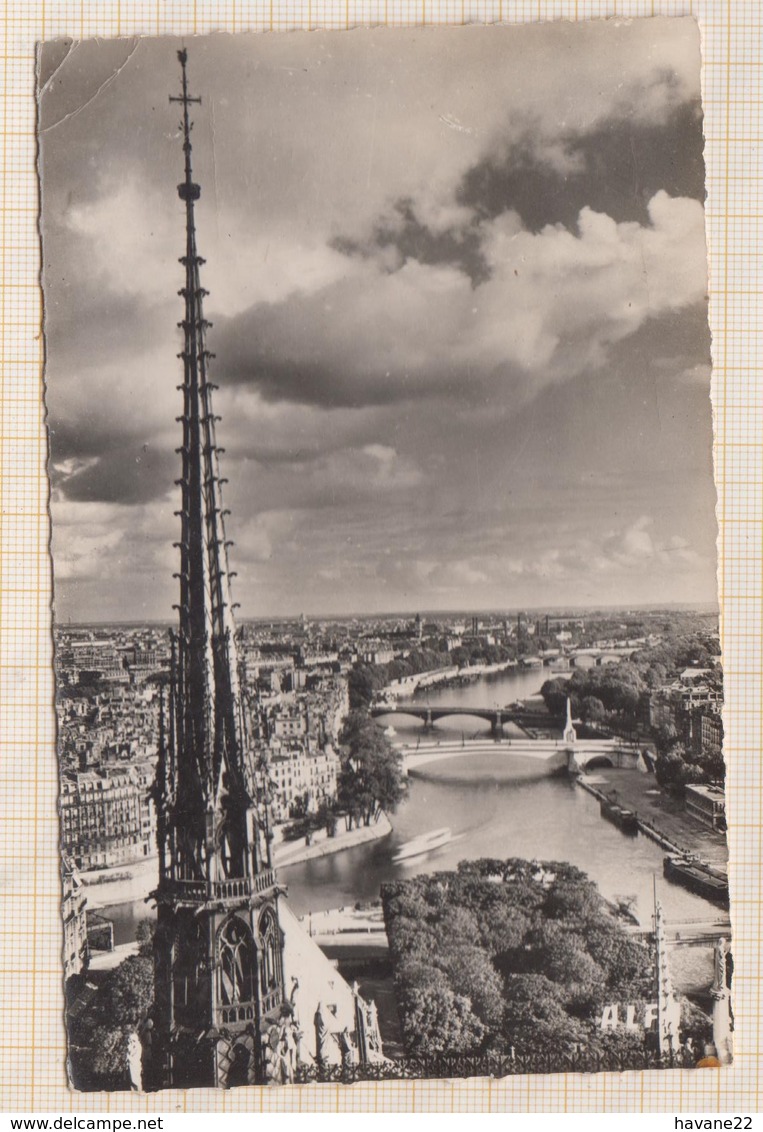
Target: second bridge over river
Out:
[528,721]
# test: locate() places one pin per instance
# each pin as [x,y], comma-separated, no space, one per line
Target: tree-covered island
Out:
[520,958]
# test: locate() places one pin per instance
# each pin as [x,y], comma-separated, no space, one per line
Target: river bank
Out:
[467,675]
[293,853]
[122,885]
[131,883]
[444,678]
[661,817]
[358,929]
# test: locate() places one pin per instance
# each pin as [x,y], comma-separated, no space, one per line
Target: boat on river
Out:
[425,843]
[626,820]
[698,877]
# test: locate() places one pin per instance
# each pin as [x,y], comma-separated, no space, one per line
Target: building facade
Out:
[707,804]
[74,915]
[301,779]
[107,816]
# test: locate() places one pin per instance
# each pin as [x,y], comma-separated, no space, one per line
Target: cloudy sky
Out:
[457,280]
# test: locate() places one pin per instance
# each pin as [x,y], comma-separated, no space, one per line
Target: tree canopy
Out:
[618,695]
[98,1034]
[510,955]
[371,775]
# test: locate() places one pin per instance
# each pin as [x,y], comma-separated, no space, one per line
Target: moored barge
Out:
[626,820]
[700,879]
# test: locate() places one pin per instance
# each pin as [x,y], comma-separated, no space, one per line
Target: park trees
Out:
[99,1034]
[677,769]
[471,975]
[535,1020]
[371,775]
[713,766]
[555,693]
[592,709]
[364,681]
[435,1018]
[626,964]
[509,955]
[144,935]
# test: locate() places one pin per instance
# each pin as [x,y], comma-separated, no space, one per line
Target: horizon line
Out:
[513,611]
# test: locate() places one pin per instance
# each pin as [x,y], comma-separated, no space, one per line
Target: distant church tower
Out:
[569,735]
[218,949]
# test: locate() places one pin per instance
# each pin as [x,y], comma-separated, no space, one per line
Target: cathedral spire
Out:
[218,964]
[210,725]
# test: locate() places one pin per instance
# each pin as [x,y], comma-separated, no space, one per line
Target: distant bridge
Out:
[527,721]
[567,659]
[691,933]
[598,658]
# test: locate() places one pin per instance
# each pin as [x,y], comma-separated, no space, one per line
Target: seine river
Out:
[495,806]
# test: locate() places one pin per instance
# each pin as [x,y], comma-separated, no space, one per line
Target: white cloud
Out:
[553,305]
[98,541]
[592,289]
[259,535]
[625,553]
[457,576]
[131,235]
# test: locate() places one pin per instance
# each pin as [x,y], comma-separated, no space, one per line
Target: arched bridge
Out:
[527,721]
[552,755]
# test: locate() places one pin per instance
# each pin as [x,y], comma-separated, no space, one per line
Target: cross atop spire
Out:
[187,190]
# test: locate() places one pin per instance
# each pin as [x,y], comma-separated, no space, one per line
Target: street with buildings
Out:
[298,677]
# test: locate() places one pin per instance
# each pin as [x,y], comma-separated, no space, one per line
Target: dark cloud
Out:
[279,457]
[80,440]
[88,326]
[130,474]
[245,361]
[564,439]
[413,239]
[102,115]
[289,353]
[615,169]
[681,338]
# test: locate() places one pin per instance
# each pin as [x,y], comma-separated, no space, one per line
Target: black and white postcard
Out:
[389,685]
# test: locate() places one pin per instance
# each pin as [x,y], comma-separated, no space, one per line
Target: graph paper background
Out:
[32,1040]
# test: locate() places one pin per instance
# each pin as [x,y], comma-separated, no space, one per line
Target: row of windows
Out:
[96,812]
[88,848]
[103,805]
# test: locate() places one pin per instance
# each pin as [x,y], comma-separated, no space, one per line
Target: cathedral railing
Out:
[446,1066]
[234,889]
[229,1014]
[264,881]
[188,889]
[229,889]
[271,1000]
